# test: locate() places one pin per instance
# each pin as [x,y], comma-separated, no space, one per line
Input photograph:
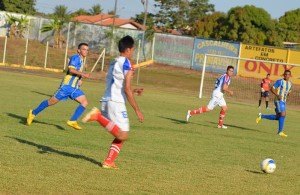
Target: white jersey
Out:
[223,79]
[115,80]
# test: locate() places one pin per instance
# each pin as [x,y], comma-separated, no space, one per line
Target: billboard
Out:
[254,69]
[214,64]
[294,58]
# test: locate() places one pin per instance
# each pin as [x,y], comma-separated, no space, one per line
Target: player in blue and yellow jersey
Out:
[69,88]
[281,89]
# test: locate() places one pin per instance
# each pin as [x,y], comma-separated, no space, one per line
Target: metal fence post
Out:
[46,55]
[4,50]
[137,62]
[67,46]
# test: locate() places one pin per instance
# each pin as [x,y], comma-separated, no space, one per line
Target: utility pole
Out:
[145,3]
[113,28]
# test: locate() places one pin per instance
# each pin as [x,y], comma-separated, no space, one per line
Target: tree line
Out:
[247,24]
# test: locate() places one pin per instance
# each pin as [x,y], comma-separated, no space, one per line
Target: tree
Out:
[56,26]
[95,10]
[209,26]
[248,24]
[289,26]
[179,14]
[61,13]
[79,12]
[139,18]
[17,26]
[18,6]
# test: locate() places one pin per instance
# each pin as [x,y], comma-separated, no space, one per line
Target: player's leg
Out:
[259,101]
[78,96]
[281,119]
[270,116]
[224,108]
[211,105]
[43,105]
[267,99]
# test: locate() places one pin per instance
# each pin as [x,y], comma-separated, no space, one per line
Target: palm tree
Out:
[96,9]
[56,26]
[17,25]
[61,12]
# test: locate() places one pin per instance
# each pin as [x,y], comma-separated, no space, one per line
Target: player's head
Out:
[230,71]
[287,74]
[126,46]
[268,76]
[83,49]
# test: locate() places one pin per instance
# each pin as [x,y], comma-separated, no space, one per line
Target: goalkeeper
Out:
[265,89]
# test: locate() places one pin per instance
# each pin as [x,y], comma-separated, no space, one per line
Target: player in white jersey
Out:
[217,98]
[113,115]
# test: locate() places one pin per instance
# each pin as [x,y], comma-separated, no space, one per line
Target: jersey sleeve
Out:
[226,80]
[126,67]
[75,62]
[277,84]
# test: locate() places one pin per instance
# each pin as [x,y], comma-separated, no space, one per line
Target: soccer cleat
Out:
[258,118]
[222,127]
[188,115]
[74,124]
[30,117]
[282,134]
[91,116]
[112,165]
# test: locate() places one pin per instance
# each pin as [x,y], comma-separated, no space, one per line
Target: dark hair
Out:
[268,74]
[230,67]
[81,44]
[125,43]
[287,71]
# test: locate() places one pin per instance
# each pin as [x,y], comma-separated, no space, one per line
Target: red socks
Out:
[114,151]
[199,110]
[109,125]
[221,117]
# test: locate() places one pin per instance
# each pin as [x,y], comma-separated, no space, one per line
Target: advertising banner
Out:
[214,64]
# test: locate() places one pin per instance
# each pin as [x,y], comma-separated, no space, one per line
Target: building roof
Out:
[108,20]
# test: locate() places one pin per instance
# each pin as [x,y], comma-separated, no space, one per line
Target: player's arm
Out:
[130,96]
[226,89]
[78,73]
[274,89]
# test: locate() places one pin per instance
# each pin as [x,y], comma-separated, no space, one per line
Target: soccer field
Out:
[163,155]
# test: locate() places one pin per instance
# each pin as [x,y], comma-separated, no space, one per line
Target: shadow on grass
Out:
[240,127]
[40,93]
[42,149]
[179,121]
[23,121]
[255,172]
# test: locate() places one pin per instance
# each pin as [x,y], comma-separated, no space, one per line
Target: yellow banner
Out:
[256,69]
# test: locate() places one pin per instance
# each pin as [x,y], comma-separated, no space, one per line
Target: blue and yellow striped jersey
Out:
[283,88]
[77,63]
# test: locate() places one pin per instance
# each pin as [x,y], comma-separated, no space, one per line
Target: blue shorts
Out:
[66,91]
[279,106]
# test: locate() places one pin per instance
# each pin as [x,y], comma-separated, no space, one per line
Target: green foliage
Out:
[139,18]
[18,25]
[289,26]
[56,25]
[61,13]
[79,12]
[179,14]
[95,10]
[18,6]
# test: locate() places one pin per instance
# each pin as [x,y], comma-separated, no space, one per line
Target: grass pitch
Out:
[163,155]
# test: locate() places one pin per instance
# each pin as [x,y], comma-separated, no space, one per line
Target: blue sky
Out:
[128,8]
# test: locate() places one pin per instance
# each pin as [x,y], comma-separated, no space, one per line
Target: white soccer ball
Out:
[268,165]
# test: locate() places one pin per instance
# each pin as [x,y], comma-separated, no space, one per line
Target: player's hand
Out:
[85,75]
[138,91]
[262,90]
[140,116]
[230,93]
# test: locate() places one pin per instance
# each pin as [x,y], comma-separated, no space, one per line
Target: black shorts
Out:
[264,94]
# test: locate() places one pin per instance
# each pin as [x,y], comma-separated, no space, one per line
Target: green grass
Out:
[163,155]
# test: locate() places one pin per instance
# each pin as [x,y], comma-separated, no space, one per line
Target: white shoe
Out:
[222,127]
[188,115]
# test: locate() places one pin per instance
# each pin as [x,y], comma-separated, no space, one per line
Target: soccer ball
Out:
[268,165]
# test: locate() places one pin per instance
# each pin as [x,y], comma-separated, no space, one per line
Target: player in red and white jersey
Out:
[265,90]
[217,98]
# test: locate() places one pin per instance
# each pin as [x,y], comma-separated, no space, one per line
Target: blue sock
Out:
[41,107]
[269,117]
[78,112]
[281,123]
